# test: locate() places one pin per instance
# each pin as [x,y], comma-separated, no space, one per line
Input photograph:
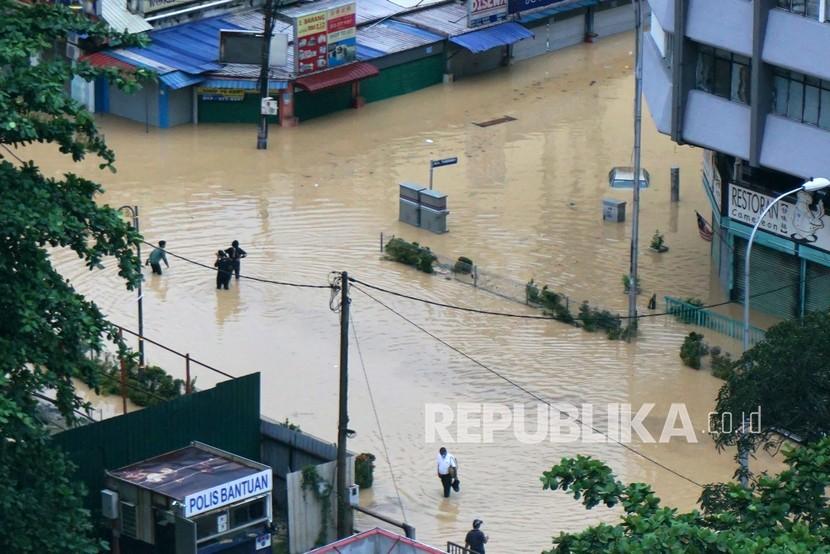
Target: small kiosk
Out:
[195,500]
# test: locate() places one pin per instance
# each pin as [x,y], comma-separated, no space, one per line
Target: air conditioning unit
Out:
[72,51]
[129,520]
[109,504]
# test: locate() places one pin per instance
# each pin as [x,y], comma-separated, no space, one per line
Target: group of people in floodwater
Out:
[228,262]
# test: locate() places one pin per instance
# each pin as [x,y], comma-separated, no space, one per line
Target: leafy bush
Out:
[658,242]
[594,320]
[147,387]
[463,265]
[722,364]
[410,253]
[532,292]
[364,470]
[693,350]
[550,302]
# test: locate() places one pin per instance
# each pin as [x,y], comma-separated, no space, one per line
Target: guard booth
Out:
[195,500]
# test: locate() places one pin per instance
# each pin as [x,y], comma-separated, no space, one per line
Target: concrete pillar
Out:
[286,107]
[357,100]
[675,184]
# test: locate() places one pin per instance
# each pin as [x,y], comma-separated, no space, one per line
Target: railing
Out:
[453,548]
[695,315]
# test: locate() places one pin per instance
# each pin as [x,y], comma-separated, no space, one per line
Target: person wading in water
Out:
[447,471]
[236,254]
[224,269]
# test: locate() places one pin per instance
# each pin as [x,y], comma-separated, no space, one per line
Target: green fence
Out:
[226,416]
[695,315]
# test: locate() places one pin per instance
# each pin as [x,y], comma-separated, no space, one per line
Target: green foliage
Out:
[40,506]
[463,265]
[550,302]
[292,426]
[410,253]
[364,470]
[626,281]
[787,375]
[145,387]
[594,319]
[47,328]
[658,242]
[693,350]
[785,513]
[312,481]
[722,364]
[532,293]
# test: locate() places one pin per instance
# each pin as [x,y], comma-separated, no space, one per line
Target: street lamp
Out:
[817,183]
[134,213]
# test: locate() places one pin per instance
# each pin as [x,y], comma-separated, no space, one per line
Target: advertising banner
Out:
[803,221]
[342,35]
[324,39]
[483,12]
[516,6]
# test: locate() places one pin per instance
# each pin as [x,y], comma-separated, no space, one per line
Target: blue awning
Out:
[492,37]
[545,13]
[179,79]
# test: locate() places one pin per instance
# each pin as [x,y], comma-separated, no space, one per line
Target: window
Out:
[801,98]
[723,73]
[807,8]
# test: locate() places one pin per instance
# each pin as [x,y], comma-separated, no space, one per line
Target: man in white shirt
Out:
[447,470]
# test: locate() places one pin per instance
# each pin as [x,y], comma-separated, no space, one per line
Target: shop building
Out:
[749,82]
[194,500]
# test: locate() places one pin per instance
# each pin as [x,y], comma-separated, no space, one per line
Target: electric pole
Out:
[343,419]
[635,216]
[265,72]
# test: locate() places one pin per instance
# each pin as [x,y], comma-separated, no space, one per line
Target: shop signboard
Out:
[341,25]
[326,38]
[803,222]
[483,12]
[220,94]
[516,6]
[152,6]
[227,493]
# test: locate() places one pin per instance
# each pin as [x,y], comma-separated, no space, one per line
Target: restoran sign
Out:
[803,222]
[483,12]
[227,493]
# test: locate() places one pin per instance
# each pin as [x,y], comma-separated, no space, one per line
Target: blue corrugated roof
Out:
[413,30]
[191,47]
[492,37]
[367,53]
[180,79]
[548,12]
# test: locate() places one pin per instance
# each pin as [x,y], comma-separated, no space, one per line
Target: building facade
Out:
[749,82]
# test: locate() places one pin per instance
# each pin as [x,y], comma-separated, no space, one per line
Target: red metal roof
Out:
[360,542]
[99,59]
[338,76]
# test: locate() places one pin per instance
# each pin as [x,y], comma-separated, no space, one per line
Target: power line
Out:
[15,156]
[531,393]
[249,277]
[377,417]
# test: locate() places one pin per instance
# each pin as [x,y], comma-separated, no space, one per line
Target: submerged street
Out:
[525,202]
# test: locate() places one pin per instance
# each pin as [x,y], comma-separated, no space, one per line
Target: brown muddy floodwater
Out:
[525,201]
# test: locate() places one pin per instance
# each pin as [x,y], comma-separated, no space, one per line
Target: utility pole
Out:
[134,212]
[638,116]
[343,419]
[265,72]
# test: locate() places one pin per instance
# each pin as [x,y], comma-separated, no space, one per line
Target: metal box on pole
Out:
[613,210]
[409,204]
[433,210]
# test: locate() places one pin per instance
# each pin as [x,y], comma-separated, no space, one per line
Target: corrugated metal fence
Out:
[226,416]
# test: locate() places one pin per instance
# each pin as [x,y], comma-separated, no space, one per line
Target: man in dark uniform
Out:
[224,268]
[156,257]
[236,254]
[476,539]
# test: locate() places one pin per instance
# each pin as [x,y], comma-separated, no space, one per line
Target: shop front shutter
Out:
[771,271]
[818,288]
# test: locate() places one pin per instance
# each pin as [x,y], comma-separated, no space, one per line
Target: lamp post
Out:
[134,213]
[810,186]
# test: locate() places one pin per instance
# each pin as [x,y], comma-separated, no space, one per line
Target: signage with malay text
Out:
[227,493]
[516,6]
[484,12]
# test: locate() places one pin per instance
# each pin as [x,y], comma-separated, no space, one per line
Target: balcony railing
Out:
[695,315]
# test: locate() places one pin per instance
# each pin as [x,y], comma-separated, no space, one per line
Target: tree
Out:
[787,377]
[47,329]
[785,513]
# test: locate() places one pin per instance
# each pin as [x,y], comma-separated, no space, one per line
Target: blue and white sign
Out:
[227,493]
[516,6]
[442,163]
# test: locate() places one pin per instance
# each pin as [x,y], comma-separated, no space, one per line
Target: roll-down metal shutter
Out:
[773,279]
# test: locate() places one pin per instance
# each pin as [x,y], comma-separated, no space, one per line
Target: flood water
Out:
[525,201]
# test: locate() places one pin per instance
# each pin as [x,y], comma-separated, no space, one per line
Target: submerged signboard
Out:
[227,493]
[324,39]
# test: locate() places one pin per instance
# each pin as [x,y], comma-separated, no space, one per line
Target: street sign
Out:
[442,163]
